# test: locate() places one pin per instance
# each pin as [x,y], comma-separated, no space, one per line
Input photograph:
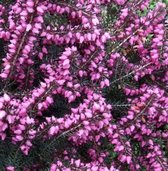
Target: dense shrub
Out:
[84,85]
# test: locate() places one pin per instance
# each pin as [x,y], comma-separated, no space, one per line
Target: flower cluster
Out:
[59,67]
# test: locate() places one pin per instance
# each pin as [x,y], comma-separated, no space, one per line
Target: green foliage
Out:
[56,20]
[145,11]
[109,15]
[151,7]
[166,2]
[152,4]
[109,148]
[41,154]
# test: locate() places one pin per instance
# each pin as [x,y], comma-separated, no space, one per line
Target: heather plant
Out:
[83,85]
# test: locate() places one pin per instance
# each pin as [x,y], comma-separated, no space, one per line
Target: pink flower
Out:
[88,114]
[2,114]
[40,9]
[120,2]
[6,97]
[96,106]
[29,27]
[52,130]
[128,159]
[25,149]
[10,168]
[30,3]
[120,148]
[77,163]
[95,21]
[3,75]
[53,167]
[49,100]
